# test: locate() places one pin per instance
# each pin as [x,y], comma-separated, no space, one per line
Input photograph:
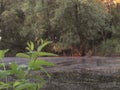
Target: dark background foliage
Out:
[76,27]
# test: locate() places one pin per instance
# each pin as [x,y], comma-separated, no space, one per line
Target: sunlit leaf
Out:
[46,54]
[27,48]
[28,44]
[17,83]
[4,85]
[32,45]
[5,51]
[2,53]
[43,46]
[25,86]
[23,55]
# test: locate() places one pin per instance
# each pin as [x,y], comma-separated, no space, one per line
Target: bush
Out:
[110,47]
[22,76]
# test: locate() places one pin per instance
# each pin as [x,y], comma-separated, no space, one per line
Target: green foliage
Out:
[25,21]
[2,53]
[4,73]
[115,22]
[81,24]
[110,47]
[22,76]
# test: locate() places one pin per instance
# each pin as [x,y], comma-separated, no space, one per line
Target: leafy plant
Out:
[23,76]
[3,72]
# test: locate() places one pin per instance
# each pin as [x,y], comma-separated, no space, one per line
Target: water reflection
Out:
[98,62]
[83,61]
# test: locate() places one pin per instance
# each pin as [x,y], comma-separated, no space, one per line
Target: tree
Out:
[81,23]
[25,20]
[38,18]
[11,23]
[71,24]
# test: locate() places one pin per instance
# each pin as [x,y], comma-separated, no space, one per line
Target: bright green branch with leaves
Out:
[23,77]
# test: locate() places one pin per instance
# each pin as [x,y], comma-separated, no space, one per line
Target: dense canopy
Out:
[76,27]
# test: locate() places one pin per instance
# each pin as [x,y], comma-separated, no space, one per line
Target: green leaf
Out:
[2,53]
[45,71]
[36,54]
[40,85]
[27,48]
[37,63]
[34,65]
[5,51]
[46,54]
[4,85]
[2,64]
[43,45]
[28,44]
[32,45]
[17,83]
[32,54]
[41,41]
[25,86]
[45,63]
[17,71]
[4,73]
[22,55]
[14,66]
[41,81]
[20,74]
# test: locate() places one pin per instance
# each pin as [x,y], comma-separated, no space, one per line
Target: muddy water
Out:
[85,73]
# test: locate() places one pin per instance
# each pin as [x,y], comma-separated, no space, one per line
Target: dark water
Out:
[82,81]
[85,73]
